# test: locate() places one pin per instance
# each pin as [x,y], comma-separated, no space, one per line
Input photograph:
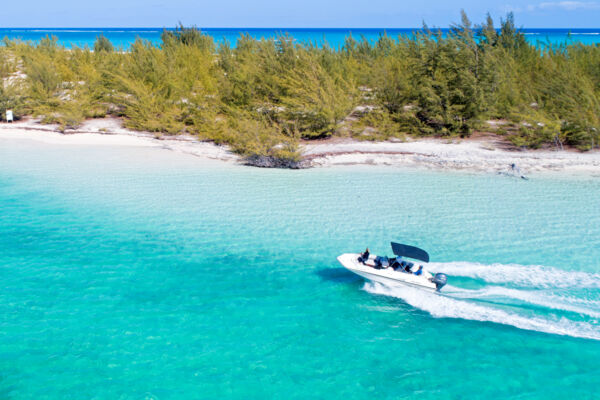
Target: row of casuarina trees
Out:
[262,97]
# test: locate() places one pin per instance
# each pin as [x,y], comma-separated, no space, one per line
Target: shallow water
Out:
[143,273]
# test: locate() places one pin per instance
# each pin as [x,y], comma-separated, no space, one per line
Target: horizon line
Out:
[258,27]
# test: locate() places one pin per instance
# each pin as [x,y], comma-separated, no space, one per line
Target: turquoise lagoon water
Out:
[142,273]
[335,37]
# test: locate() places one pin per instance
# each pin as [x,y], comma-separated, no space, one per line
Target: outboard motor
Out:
[440,281]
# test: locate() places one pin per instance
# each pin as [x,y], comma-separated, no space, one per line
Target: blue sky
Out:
[281,13]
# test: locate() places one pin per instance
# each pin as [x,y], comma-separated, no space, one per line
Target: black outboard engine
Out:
[440,281]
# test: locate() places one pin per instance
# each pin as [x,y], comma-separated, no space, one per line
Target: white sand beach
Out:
[484,154]
[109,132]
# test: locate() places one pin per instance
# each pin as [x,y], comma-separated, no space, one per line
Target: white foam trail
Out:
[529,276]
[576,300]
[445,307]
[534,297]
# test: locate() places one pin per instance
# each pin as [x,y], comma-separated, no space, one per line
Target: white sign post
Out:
[9,116]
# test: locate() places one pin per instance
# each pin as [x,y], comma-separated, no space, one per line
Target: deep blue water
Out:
[123,37]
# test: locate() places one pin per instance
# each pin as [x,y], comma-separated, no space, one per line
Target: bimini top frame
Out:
[404,250]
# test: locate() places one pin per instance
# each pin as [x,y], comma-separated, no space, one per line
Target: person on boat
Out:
[419,271]
[397,263]
[364,256]
[378,263]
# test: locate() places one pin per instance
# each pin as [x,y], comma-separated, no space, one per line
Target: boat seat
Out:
[370,262]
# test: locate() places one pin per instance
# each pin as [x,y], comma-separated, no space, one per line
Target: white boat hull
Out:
[388,276]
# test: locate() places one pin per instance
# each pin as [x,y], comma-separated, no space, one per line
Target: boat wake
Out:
[535,298]
[536,276]
[571,304]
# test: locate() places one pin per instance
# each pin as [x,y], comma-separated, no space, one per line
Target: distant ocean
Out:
[334,37]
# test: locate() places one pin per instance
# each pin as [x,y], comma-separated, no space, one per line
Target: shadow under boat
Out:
[338,275]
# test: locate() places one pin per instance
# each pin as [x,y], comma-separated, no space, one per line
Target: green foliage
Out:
[10,89]
[7,64]
[263,96]
[532,136]
[315,100]
[11,99]
[251,137]
[187,37]
[103,44]
[377,125]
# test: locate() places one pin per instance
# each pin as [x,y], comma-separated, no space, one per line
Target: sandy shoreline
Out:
[109,132]
[483,154]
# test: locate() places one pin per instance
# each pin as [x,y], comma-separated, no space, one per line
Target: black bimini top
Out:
[404,250]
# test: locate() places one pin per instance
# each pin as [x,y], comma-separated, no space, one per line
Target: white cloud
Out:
[565,5]
[514,9]
[554,5]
